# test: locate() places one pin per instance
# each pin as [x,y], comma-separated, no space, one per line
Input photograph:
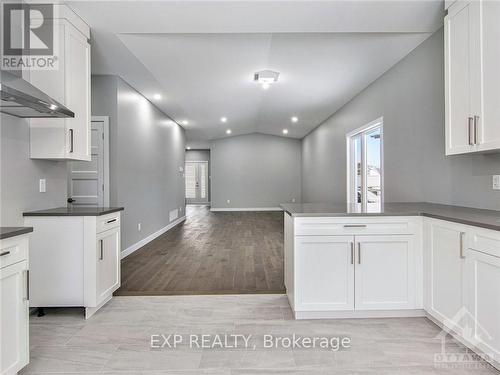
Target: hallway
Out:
[210,253]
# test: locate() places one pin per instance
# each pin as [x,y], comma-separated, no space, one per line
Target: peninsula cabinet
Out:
[14,322]
[65,138]
[472,77]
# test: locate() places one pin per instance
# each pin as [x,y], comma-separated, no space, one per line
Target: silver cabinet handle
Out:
[110,221]
[3,253]
[462,243]
[27,285]
[359,252]
[352,252]
[476,122]
[101,255]
[355,226]
[471,131]
[70,140]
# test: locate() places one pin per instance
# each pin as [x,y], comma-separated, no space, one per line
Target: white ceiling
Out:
[201,56]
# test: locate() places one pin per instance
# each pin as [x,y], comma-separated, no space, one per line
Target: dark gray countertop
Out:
[7,232]
[74,211]
[470,216]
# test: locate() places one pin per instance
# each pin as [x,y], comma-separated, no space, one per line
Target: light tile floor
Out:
[117,340]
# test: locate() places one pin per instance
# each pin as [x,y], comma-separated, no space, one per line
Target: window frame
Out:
[363,130]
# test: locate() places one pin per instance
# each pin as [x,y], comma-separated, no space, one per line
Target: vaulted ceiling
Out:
[200,56]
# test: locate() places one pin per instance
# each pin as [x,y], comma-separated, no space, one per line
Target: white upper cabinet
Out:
[472,79]
[69,138]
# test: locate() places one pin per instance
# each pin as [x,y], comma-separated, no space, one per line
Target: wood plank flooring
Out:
[210,253]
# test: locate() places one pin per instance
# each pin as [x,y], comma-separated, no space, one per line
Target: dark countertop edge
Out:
[53,212]
[453,219]
[8,232]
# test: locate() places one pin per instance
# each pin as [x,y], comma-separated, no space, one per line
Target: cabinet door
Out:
[489,51]
[14,322]
[385,272]
[325,273]
[78,94]
[483,302]
[459,123]
[108,263]
[444,247]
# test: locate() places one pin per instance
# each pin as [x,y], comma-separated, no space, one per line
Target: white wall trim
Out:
[247,209]
[129,250]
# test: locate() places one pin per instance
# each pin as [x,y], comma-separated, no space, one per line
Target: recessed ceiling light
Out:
[184,122]
[189,148]
[157,96]
[266,78]
[223,119]
[294,119]
[285,131]
[228,131]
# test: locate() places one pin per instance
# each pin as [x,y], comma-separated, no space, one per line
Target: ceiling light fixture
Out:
[228,131]
[223,119]
[157,96]
[294,119]
[184,122]
[189,148]
[266,78]
[285,131]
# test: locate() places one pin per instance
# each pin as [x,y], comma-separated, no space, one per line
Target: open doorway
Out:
[88,182]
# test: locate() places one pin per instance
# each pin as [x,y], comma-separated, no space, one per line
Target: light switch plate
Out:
[496,182]
[42,185]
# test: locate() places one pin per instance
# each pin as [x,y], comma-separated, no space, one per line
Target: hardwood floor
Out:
[210,253]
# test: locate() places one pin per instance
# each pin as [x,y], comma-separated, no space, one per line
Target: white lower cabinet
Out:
[14,322]
[444,269]
[325,273]
[385,272]
[482,292]
[108,264]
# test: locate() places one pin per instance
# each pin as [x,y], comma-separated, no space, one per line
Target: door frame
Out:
[105,121]
[207,203]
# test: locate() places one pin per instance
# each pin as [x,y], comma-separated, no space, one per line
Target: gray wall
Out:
[255,170]
[201,155]
[19,175]
[410,97]
[147,149]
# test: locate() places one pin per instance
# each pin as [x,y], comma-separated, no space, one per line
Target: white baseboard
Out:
[247,209]
[129,250]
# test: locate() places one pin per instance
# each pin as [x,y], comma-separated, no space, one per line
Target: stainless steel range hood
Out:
[21,99]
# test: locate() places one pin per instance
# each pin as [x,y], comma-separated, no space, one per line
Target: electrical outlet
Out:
[180,209]
[228,201]
[139,226]
[42,185]
[293,200]
[496,182]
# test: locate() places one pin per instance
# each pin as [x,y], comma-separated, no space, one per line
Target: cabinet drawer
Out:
[108,222]
[14,250]
[328,226]
[485,241]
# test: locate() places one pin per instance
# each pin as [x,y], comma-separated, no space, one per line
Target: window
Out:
[365,167]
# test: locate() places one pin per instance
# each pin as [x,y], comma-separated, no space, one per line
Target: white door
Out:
[196,173]
[86,185]
[385,276]
[444,248]
[324,273]
[458,85]
[108,263]
[483,301]
[14,318]
[489,120]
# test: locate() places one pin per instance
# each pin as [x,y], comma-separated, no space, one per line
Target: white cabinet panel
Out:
[14,318]
[483,301]
[324,268]
[444,247]
[385,272]
[108,263]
